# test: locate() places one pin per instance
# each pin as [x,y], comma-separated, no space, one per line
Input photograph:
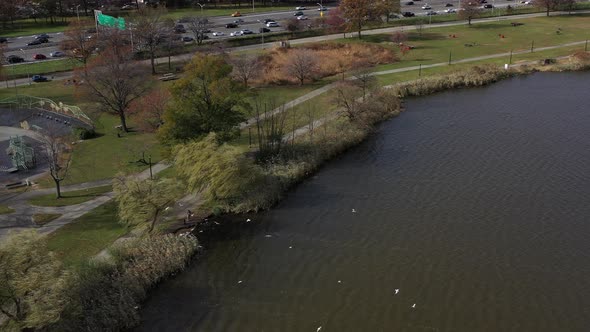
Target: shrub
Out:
[84,133]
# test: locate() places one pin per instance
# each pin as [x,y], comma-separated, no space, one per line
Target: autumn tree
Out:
[57,153]
[33,283]
[301,64]
[359,12]
[469,10]
[363,78]
[144,201]
[245,68]
[335,21]
[114,81]
[149,109]
[204,100]
[77,44]
[150,31]
[549,5]
[388,7]
[293,25]
[199,26]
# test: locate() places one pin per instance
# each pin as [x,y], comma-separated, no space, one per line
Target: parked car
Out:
[218,34]
[247,32]
[300,8]
[409,3]
[448,4]
[128,7]
[267,20]
[302,18]
[39,57]
[238,21]
[426,7]
[430,13]
[39,78]
[179,28]
[450,10]
[323,9]
[263,30]
[41,36]
[408,14]
[231,25]
[187,39]
[488,5]
[299,13]
[236,33]
[236,14]
[14,59]
[57,54]
[272,25]
[168,77]
[34,42]
[3,40]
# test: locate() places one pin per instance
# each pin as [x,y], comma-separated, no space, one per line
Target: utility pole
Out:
[532,46]
[78,12]
[510,61]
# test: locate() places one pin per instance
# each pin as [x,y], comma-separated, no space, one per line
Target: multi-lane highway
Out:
[18,45]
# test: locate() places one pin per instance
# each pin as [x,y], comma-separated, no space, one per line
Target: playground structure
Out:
[21,154]
[30,102]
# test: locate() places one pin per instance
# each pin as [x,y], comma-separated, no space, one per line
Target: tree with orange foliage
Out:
[469,10]
[360,12]
[149,109]
[335,21]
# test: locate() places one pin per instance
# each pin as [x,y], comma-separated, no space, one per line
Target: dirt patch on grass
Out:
[44,218]
[330,59]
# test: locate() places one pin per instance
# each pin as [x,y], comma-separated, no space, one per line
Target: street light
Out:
[201,8]
[253,6]
[78,12]
[27,68]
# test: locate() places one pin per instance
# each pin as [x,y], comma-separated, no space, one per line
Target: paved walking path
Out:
[188,56]
[21,218]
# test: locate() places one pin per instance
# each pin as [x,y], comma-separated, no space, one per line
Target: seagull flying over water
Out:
[396,291]
[414,306]
[318,330]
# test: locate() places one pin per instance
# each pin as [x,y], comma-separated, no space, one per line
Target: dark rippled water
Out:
[475,204]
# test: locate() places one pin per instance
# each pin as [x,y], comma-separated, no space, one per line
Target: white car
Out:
[426,6]
[246,32]
[272,25]
[236,33]
[218,33]
[302,18]
[450,10]
[56,54]
[300,8]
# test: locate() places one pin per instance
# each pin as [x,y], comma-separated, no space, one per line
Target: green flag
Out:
[110,21]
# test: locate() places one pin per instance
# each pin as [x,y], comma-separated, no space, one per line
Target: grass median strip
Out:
[6,209]
[70,197]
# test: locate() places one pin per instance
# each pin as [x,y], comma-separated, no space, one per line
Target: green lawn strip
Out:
[87,235]
[55,91]
[224,11]
[40,68]
[44,218]
[28,27]
[4,209]
[70,197]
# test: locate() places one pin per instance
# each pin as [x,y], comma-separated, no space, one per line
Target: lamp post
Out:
[201,7]
[78,12]
[28,76]
[262,31]
[253,6]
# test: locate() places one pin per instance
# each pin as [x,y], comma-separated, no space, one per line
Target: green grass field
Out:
[40,68]
[5,209]
[70,197]
[87,235]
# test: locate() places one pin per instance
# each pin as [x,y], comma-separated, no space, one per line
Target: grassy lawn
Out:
[70,197]
[44,218]
[245,10]
[30,27]
[43,68]
[87,235]
[5,209]
[55,91]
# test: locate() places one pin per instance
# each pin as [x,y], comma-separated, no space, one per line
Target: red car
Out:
[39,57]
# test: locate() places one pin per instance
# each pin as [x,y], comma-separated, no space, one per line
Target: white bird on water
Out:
[239,282]
[414,306]
[353,211]
[318,330]
[248,220]
[396,291]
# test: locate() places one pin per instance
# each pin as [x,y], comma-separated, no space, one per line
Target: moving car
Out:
[187,39]
[247,32]
[236,14]
[34,42]
[231,25]
[450,10]
[238,21]
[3,40]
[323,9]
[409,3]
[449,4]
[408,14]
[168,77]
[14,59]
[300,8]
[302,18]
[39,78]
[128,7]
[39,57]
[179,28]
[430,13]
[218,33]
[236,33]
[41,36]
[272,25]
[267,20]
[263,30]
[299,13]
[488,5]
[57,54]
[426,6]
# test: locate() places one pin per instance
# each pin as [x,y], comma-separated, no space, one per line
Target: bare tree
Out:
[114,81]
[199,26]
[363,77]
[245,68]
[469,10]
[310,111]
[419,26]
[549,5]
[270,127]
[57,154]
[172,43]
[348,99]
[150,31]
[78,44]
[302,64]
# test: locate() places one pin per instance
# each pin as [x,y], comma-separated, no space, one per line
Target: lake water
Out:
[474,204]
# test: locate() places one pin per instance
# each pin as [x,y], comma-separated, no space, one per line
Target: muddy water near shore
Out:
[473,204]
